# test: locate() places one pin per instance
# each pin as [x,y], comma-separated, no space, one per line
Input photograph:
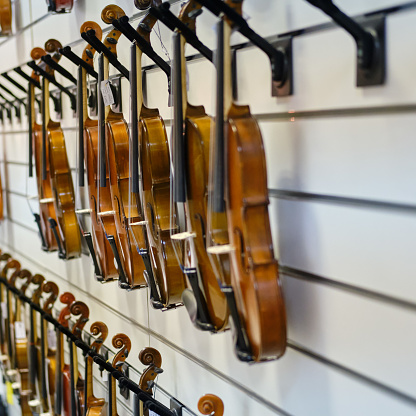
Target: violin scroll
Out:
[52,288]
[121,342]
[11,264]
[80,309]
[27,276]
[209,404]
[142,4]
[37,53]
[67,298]
[152,358]
[52,45]
[88,53]
[111,12]
[100,331]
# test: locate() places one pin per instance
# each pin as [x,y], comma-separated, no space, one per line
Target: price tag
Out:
[19,330]
[52,339]
[152,413]
[107,93]
[9,393]
[4,309]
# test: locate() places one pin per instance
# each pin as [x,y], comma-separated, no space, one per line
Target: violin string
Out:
[159,36]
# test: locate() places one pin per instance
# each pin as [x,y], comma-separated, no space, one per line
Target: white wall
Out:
[348,263]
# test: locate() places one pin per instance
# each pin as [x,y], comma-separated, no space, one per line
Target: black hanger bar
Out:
[11,104]
[53,81]
[27,77]
[30,118]
[100,360]
[90,37]
[67,52]
[13,95]
[14,82]
[122,24]
[58,68]
[164,14]
[80,114]
[277,57]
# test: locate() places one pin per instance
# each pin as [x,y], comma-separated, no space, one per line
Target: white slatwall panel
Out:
[347,256]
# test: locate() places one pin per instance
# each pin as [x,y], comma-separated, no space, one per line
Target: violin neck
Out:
[84,94]
[58,374]
[45,97]
[89,380]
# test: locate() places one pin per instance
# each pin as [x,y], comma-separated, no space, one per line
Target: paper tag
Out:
[105,376]
[52,339]
[4,309]
[107,93]
[9,393]
[19,330]
[152,413]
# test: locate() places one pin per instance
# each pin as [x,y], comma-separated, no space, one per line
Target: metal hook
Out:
[58,68]
[75,59]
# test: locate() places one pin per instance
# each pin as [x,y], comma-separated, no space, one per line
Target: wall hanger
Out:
[14,82]
[9,105]
[19,100]
[75,59]
[58,68]
[279,53]
[122,24]
[370,37]
[100,360]
[52,80]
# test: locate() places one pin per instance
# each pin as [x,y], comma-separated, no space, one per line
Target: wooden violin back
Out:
[6,17]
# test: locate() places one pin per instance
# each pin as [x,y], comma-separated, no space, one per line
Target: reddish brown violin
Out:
[254,295]
[100,224]
[6,17]
[125,203]
[45,194]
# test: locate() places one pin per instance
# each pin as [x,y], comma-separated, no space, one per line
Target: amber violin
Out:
[100,224]
[6,17]
[45,194]
[192,143]
[4,257]
[254,295]
[209,404]
[60,173]
[95,406]
[125,203]
[155,171]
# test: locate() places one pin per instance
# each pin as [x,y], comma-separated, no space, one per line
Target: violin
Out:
[67,299]
[95,406]
[45,194]
[152,358]
[155,172]
[3,340]
[21,346]
[73,384]
[6,17]
[60,6]
[48,351]
[126,204]
[254,294]
[104,224]
[60,174]
[192,143]
[123,344]
[209,404]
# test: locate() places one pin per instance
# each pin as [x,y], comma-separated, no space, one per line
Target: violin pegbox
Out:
[121,342]
[209,404]
[67,298]
[25,275]
[100,331]
[52,289]
[89,51]
[110,13]
[37,280]
[152,358]
[142,4]
[189,12]
[80,309]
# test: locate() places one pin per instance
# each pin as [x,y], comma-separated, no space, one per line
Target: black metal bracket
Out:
[124,391]
[122,282]
[279,60]
[115,83]
[90,37]
[75,59]
[8,106]
[370,37]
[58,68]
[54,225]
[242,346]
[97,272]
[19,100]
[53,81]
[42,237]
[57,103]
[176,407]
[164,14]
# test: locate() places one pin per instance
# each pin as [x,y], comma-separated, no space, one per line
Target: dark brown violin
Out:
[104,224]
[195,148]
[67,299]
[45,194]
[209,404]
[125,202]
[60,173]
[95,406]
[155,171]
[254,295]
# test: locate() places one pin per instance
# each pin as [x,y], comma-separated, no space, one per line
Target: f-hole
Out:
[241,247]
[152,217]
[198,217]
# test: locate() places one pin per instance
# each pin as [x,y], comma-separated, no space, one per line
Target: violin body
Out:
[155,162]
[105,224]
[63,191]
[6,17]
[46,209]
[63,6]
[255,270]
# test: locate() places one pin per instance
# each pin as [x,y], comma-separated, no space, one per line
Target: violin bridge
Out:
[183,236]
[85,211]
[221,249]
[142,223]
[46,200]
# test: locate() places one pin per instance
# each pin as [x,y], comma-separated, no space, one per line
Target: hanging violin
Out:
[95,406]
[155,172]
[192,131]
[125,203]
[254,294]
[6,17]
[69,239]
[45,194]
[104,224]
